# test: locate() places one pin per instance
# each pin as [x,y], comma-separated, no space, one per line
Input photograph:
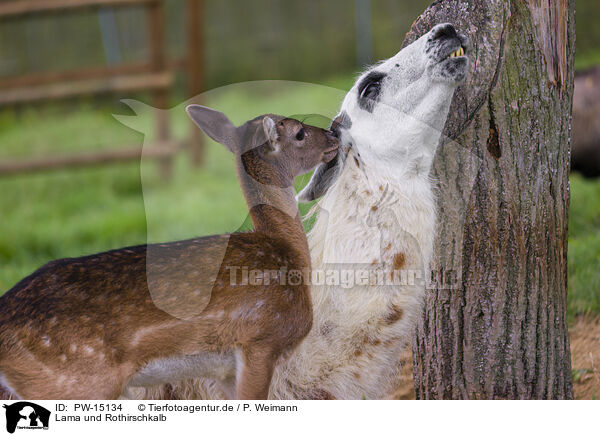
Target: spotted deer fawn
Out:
[90,327]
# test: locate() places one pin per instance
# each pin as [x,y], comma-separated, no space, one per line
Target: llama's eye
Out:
[301,134]
[371,90]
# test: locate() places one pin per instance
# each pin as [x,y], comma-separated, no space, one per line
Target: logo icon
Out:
[26,415]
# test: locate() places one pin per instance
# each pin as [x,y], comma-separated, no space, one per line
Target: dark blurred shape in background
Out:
[585,142]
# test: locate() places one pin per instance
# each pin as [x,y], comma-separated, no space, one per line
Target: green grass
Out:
[71,213]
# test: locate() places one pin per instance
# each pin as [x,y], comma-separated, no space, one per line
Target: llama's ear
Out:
[322,179]
[215,124]
[271,132]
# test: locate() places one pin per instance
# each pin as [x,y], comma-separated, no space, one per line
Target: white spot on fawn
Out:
[46,341]
[237,313]
[289,293]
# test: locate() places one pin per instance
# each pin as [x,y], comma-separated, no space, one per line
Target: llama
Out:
[87,328]
[377,210]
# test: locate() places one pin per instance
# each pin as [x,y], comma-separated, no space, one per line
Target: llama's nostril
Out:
[445,30]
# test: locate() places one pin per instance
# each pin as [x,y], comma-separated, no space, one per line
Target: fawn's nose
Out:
[332,134]
[332,138]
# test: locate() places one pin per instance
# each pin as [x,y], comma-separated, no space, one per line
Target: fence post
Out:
[195,70]
[156,35]
[364,37]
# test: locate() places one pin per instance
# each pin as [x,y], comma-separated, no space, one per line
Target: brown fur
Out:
[399,261]
[81,328]
[170,393]
[396,313]
[320,394]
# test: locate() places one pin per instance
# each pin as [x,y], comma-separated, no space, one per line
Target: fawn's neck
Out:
[272,204]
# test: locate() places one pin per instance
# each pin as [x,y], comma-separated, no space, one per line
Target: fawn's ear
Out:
[215,124]
[271,132]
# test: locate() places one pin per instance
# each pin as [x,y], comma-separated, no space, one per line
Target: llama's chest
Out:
[378,238]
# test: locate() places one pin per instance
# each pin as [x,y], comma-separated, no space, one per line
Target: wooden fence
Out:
[153,75]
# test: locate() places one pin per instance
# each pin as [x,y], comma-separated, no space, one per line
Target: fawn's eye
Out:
[301,134]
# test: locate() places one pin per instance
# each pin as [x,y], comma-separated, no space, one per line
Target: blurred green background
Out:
[68,213]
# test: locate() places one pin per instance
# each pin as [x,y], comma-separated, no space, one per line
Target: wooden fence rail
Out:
[155,76]
[122,155]
[13,8]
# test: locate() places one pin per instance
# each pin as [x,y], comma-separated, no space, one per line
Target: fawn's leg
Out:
[256,372]
[5,394]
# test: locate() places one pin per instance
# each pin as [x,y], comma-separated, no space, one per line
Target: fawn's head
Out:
[272,149]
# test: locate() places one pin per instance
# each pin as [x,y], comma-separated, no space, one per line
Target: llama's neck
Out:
[272,205]
[410,201]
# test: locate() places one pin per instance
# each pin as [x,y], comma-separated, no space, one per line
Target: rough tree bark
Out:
[502,332]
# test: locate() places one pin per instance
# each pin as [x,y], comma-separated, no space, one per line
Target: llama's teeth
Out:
[458,52]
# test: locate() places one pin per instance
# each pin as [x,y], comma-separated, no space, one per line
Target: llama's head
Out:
[394,114]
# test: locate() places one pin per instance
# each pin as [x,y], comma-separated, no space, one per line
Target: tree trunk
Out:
[501,330]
